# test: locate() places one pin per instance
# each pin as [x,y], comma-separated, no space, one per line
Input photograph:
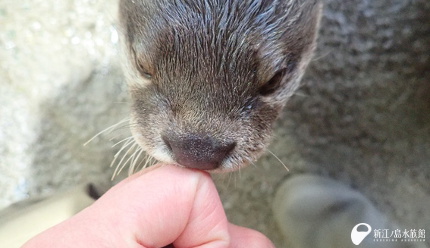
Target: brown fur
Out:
[216,72]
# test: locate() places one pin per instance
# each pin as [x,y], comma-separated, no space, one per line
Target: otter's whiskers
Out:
[277,158]
[130,153]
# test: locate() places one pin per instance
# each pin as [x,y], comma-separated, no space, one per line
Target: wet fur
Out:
[208,61]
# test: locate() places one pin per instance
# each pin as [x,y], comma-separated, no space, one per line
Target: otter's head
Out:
[209,77]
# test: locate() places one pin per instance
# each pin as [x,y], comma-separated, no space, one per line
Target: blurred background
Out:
[362,116]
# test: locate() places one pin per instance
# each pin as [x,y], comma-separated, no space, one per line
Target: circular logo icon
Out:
[358,236]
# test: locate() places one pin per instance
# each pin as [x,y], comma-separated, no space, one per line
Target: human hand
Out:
[157,207]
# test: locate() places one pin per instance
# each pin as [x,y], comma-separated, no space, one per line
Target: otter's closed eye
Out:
[273,84]
[139,65]
[143,71]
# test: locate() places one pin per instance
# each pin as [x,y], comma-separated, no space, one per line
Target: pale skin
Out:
[159,206]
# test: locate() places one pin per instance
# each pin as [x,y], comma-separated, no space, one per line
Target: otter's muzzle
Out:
[198,151]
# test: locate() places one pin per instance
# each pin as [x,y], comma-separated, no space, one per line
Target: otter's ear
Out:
[291,39]
[303,29]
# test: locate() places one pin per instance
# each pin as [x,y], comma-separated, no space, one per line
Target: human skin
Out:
[159,206]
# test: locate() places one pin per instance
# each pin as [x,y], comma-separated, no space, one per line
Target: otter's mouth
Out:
[200,151]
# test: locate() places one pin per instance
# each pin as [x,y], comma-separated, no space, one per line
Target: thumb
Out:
[158,207]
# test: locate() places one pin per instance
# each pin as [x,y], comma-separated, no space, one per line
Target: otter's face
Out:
[208,80]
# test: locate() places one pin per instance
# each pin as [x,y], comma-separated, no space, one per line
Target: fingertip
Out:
[181,204]
[245,237]
[172,168]
[164,172]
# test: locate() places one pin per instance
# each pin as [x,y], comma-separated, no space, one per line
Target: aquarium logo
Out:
[358,236]
[362,230]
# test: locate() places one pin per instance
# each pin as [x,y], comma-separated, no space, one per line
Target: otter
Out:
[208,78]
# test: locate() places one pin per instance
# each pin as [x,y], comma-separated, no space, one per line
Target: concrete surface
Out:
[60,85]
[362,116]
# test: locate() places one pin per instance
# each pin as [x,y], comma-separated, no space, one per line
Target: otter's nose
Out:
[198,152]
